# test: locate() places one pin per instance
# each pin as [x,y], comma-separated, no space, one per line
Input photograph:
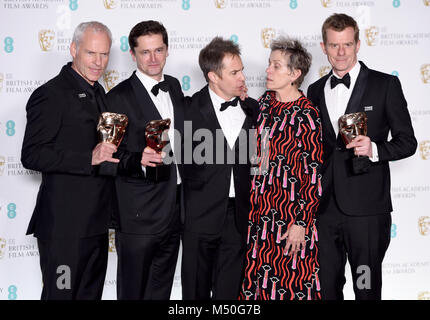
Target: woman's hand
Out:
[295,236]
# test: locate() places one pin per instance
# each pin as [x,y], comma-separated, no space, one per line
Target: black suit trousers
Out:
[212,264]
[363,240]
[146,262]
[73,269]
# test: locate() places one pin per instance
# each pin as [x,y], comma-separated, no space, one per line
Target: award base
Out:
[159,173]
[360,165]
[108,168]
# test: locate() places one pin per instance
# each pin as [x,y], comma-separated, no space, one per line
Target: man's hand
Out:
[150,157]
[244,93]
[362,146]
[295,239]
[103,152]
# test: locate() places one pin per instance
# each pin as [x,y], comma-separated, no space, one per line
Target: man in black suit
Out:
[148,237]
[354,218]
[217,179]
[74,204]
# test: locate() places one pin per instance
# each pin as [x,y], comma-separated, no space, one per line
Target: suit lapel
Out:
[328,130]
[208,112]
[354,102]
[103,107]
[178,111]
[82,97]
[144,101]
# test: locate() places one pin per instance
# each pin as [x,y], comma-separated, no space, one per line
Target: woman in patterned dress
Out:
[281,258]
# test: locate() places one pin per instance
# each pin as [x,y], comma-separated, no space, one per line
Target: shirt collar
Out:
[83,84]
[216,99]
[353,73]
[147,81]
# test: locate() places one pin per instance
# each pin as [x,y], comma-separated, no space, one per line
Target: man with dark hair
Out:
[74,205]
[354,217]
[216,190]
[148,236]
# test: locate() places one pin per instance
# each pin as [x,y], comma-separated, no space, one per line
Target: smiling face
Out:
[231,82]
[91,56]
[150,55]
[341,50]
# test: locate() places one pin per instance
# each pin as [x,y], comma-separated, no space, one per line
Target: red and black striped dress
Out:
[286,189]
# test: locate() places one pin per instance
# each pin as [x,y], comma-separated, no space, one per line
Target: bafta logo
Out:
[46,39]
[220,4]
[2,247]
[326,3]
[2,165]
[1,81]
[424,225]
[425,149]
[425,295]
[425,72]
[267,35]
[112,247]
[371,35]
[110,4]
[324,70]
[110,79]
[427,3]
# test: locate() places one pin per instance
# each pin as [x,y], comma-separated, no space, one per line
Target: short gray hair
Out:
[300,58]
[93,25]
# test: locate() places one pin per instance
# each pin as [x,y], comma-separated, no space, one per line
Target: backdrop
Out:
[34,44]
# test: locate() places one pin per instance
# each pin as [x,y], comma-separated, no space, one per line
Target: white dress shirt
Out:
[164,105]
[231,121]
[337,100]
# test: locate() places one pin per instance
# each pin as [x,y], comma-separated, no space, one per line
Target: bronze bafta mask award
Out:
[111,128]
[157,138]
[350,126]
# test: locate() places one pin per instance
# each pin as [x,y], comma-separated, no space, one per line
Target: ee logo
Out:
[393,230]
[8,44]
[11,210]
[12,292]
[186,5]
[234,38]
[293,4]
[10,128]
[124,44]
[396,3]
[73,5]
[395,73]
[186,80]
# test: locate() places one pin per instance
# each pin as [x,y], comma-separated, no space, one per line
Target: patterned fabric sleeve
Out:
[309,140]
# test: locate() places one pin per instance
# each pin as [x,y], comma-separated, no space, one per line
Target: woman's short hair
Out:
[296,55]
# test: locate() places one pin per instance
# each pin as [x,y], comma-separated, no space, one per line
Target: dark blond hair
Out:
[339,22]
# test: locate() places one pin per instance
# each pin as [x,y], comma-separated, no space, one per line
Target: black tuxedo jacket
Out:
[380,96]
[206,185]
[61,132]
[145,207]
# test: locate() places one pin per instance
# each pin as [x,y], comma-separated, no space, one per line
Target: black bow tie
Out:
[163,85]
[346,80]
[232,103]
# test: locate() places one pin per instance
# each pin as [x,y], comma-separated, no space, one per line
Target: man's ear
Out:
[213,77]
[132,55]
[323,47]
[73,50]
